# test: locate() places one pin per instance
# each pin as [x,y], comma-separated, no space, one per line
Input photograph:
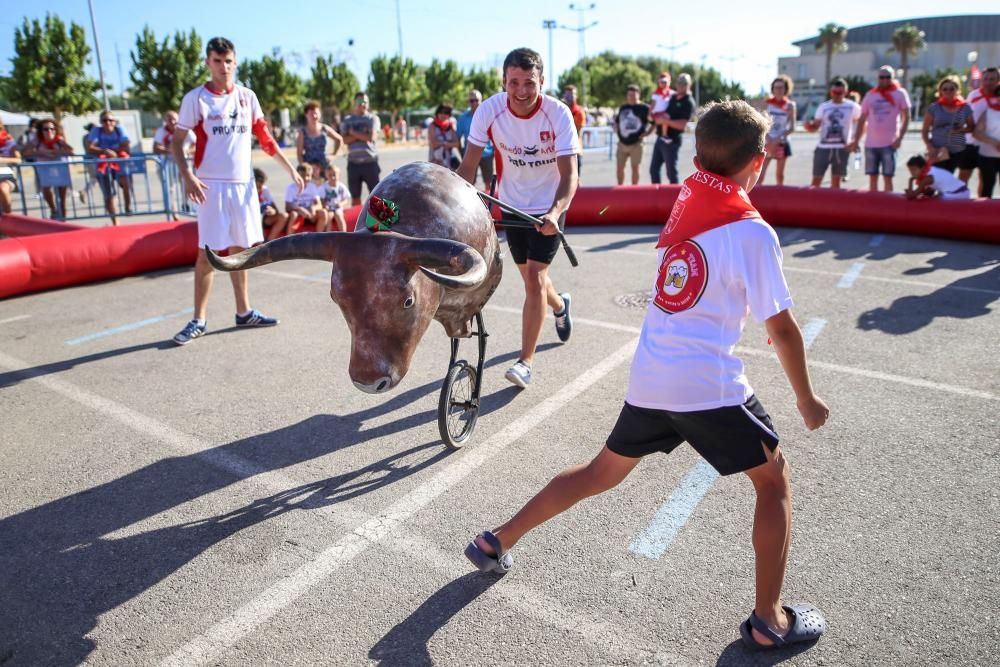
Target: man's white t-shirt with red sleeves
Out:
[526,148]
[222,124]
[704,290]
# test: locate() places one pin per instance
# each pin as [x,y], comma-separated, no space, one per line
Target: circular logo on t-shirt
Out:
[682,277]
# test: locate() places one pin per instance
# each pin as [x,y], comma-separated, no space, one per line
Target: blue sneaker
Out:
[191,331]
[255,318]
[564,323]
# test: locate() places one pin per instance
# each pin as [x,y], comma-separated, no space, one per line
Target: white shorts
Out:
[230,216]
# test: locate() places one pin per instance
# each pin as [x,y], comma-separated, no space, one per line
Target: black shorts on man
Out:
[729,438]
[525,244]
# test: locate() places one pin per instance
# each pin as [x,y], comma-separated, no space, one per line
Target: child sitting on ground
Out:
[930,182]
[271,218]
[718,262]
[304,207]
[335,197]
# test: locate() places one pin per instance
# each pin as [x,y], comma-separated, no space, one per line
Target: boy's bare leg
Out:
[204,275]
[339,221]
[779,172]
[566,489]
[772,533]
[241,289]
[538,292]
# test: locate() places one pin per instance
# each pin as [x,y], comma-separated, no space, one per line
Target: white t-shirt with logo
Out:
[685,360]
[526,148]
[837,123]
[222,124]
[306,198]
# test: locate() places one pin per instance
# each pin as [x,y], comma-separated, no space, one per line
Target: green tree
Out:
[907,40]
[48,68]
[925,86]
[333,85]
[163,72]
[487,81]
[444,82]
[858,83]
[608,82]
[394,84]
[276,87]
[832,39]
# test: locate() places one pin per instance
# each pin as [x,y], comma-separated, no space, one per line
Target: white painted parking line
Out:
[876,240]
[810,330]
[791,235]
[208,646]
[16,318]
[652,541]
[625,251]
[131,326]
[296,276]
[851,275]
[896,281]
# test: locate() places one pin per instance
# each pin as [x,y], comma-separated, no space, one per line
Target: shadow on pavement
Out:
[738,655]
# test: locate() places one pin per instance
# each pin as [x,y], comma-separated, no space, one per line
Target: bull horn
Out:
[323,245]
[429,254]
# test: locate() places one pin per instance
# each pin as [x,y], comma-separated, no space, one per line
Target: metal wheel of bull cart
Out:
[458,408]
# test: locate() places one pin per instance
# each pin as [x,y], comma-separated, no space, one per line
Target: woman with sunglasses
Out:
[49,146]
[945,124]
[8,155]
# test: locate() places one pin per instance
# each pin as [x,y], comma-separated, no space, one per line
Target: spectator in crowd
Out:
[49,146]
[929,181]
[987,133]
[835,120]
[272,220]
[783,113]
[335,196]
[418,130]
[442,139]
[969,159]
[304,206]
[359,130]
[661,97]
[464,126]
[885,116]
[579,120]
[855,97]
[164,134]
[8,180]
[671,125]
[631,123]
[29,135]
[107,142]
[945,124]
[400,129]
[310,146]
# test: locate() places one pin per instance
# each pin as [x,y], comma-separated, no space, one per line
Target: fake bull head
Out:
[441,260]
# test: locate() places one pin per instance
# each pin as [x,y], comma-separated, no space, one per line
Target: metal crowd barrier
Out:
[73,188]
[599,138]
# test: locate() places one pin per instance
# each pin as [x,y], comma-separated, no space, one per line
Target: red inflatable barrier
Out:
[22,225]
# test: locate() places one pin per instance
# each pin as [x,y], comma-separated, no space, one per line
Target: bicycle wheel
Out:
[457,413]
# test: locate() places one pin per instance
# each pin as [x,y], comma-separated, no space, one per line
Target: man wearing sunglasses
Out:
[464,127]
[107,142]
[885,115]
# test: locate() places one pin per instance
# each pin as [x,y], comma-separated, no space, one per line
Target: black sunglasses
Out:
[884,76]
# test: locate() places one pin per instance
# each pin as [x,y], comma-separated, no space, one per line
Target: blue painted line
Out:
[673,514]
[811,330]
[128,327]
[852,274]
[876,241]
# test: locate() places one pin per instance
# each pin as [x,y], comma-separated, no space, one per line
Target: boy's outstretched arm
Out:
[787,340]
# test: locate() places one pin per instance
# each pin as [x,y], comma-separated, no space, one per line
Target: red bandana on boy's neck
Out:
[956,102]
[663,91]
[781,105]
[706,201]
[443,125]
[887,92]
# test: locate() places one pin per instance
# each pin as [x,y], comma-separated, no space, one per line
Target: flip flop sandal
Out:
[500,563]
[807,625]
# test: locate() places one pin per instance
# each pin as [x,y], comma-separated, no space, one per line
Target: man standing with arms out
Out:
[978,100]
[632,125]
[885,114]
[835,119]
[359,130]
[670,126]
[536,144]
[464,127]
[222,114]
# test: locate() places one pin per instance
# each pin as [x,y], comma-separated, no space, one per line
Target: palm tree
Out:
[832,39]
[907,40]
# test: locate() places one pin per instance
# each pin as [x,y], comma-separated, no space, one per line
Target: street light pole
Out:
[672,48]
[550,25]
[399,30]
[97,50]
[580,30]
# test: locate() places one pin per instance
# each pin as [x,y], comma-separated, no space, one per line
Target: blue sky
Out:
[742,40]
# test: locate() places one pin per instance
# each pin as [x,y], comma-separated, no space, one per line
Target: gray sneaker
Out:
[564,323]
[191,331]
[519,374]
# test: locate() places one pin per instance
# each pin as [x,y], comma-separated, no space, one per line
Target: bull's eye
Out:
[409,302]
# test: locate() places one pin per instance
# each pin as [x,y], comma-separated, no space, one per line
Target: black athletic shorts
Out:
[359,173]
[968,158]
[525,244]
[728,438]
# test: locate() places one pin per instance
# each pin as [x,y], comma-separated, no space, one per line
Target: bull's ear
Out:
[324,245]
[449,263]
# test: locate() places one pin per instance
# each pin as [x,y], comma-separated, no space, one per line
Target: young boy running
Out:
[719,262]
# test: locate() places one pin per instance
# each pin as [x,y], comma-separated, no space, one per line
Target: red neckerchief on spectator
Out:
[168,135]
[663,91]
[781,105]
[51,144]
[887,92]
[955,103]
[926,169]
[443,126]
[706,201]
[992,101]
[5,137]
[104,165]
